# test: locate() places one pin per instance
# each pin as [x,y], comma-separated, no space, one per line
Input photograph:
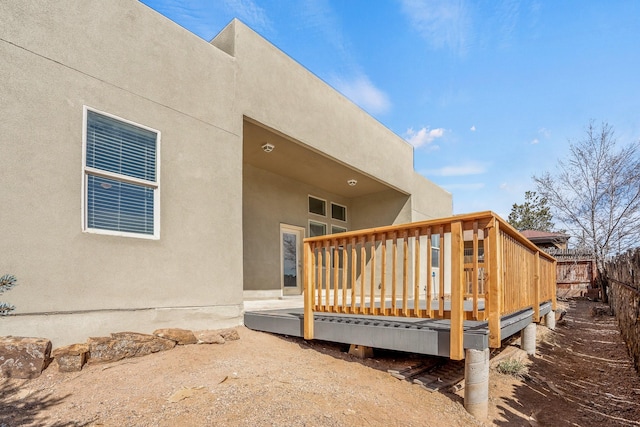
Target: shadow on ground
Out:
[581,375]
[21,407]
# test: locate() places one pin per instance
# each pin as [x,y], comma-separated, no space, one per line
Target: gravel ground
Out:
[581,376]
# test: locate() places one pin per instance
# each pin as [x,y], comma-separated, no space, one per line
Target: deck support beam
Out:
[476,382]
[528,339]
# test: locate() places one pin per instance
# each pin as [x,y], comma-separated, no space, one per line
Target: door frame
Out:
[300,232]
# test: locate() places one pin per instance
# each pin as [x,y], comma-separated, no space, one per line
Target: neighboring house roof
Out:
[543,238]
[535,234]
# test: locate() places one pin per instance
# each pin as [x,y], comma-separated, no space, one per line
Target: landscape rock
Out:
[229,334]
[180,336]
[71,358]
[209,337]
[122,345]
[23,357]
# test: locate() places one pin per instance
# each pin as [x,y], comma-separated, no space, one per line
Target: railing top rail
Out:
[511,231]
[485,216]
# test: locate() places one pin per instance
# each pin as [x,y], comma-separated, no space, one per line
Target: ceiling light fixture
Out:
[267,148]
[352,182]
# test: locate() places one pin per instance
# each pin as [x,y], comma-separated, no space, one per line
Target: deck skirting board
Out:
[422,336]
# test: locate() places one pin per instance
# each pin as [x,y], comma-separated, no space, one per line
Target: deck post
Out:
[550,320]
[308,291]
[476,382]
[528,339]
[495,283]
[456,343]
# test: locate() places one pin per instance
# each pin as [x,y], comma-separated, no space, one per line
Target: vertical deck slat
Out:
[416,278]
[474,277]
[394,276]
[327,276]
[383,273]
[345,263]
[405,274]
[429,295]
[456,349]
[354,262]
[363,274]
[336,276]
[318,283]
[442,267]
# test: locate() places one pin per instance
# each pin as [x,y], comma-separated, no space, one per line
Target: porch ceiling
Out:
[294,160]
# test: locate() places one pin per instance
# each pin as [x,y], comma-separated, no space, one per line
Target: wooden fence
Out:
[466,267]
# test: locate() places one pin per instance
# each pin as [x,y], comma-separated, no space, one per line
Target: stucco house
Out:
[151,179]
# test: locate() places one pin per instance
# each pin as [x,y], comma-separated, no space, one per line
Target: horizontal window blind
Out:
[123,150]
[119,206]
[119,147]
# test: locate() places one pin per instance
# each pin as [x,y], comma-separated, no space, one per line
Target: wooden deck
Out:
[452,287]
[475,271]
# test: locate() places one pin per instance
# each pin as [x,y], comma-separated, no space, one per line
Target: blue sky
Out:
[488,92]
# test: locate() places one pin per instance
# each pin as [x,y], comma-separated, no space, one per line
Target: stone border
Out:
[26,358]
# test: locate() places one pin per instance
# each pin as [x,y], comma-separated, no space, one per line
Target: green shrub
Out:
[7,282]
[512,367]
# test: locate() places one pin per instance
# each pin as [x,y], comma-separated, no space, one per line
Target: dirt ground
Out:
[581,376]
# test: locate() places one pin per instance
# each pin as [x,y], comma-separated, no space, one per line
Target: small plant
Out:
[513,367]
[7,282]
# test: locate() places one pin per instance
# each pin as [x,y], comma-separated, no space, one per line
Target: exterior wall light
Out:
[352,182]
[267,148]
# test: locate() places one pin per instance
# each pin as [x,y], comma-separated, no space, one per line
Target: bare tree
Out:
[596,193]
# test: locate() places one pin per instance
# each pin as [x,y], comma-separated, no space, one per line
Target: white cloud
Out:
[361,91]
[424,136]
[442,23]
[473,128]
[544,132]
[464,169]
[535,141]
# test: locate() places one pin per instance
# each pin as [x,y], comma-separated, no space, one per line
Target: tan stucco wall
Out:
[121,58]
[429,201]
[276,91]
[271,200]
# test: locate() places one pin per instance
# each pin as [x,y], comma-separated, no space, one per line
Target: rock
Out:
[71,358]
[209,337]
[229,334]
[22,357]
[122,345]
[180,336]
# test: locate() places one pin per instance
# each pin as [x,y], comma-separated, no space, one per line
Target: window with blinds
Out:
[121,189]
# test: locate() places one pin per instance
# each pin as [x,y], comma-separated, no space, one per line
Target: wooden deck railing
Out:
[466,267]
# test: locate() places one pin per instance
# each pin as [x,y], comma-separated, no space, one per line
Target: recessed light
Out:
[267,148]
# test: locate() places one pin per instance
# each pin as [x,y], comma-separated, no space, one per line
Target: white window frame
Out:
[345,212]
[317,198]
[339,227]
[86,171]
[318,223]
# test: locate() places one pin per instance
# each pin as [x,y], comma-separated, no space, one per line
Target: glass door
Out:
[291,259]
